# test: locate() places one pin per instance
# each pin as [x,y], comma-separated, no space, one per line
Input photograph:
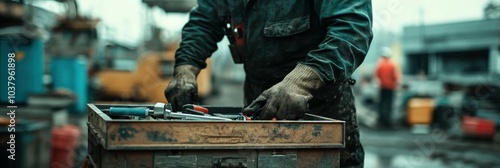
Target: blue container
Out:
[70,73]
[29,67]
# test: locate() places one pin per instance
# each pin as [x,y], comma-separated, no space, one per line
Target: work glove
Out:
[183,89]
[287,99]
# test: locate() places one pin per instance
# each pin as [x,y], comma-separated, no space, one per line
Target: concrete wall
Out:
[452,36]
[431,40]
[495,59]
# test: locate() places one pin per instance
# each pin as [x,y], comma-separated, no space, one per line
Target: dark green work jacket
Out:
[332,36]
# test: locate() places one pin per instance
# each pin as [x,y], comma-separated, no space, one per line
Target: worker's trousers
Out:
[385,107]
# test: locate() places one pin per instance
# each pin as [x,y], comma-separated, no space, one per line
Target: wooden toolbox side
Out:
[139,134]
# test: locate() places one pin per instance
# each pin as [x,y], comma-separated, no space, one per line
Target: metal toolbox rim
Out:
[108,121]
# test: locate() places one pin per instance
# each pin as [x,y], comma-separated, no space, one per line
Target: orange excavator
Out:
[154,70]
[149,79]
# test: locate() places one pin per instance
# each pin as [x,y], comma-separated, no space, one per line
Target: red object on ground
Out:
[478,127]
[64,142]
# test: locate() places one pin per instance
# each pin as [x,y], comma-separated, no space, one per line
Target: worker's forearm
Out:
[200,35]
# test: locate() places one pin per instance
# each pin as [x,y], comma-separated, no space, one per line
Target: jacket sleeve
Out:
[200,35]
[348,38]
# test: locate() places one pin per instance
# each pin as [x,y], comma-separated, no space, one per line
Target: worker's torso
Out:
[278,34]
[386,74]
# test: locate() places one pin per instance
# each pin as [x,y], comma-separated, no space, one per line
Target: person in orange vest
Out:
[388,76]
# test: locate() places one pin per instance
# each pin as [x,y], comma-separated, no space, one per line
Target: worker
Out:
[298,57]
[388,77]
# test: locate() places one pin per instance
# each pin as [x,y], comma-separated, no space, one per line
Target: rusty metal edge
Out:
[343,134]
[94,108]
[99,131]
[108,119]
[220,121]
[98,135]
[323,118]
[108,146]
[228,147]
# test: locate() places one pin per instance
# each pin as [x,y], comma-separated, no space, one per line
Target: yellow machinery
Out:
[149,80]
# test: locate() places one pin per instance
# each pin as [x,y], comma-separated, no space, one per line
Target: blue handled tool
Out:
[161,109]
[141,112]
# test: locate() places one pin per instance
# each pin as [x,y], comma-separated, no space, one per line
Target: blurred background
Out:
[445,109]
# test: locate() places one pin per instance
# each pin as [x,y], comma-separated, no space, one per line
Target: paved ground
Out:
[401,148]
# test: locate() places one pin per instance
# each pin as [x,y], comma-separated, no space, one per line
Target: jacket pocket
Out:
[287,27]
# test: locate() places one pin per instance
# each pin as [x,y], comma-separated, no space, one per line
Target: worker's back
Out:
[387,74]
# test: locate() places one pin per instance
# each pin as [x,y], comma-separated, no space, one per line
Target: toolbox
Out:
[126,141]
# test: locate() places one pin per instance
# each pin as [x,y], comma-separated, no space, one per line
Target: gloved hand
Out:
[289,98]
[183,89]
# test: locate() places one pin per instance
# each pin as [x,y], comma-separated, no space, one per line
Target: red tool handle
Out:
[200,108]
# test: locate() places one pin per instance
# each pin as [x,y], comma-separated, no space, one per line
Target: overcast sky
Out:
[394,14]
[125,19]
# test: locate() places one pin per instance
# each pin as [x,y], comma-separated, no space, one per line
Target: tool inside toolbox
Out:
[162,111]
